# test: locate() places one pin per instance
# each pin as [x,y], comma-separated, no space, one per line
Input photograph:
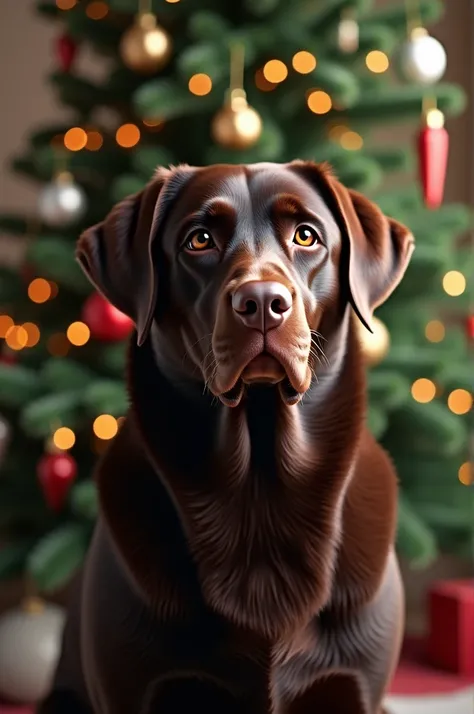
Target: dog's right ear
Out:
[117,254]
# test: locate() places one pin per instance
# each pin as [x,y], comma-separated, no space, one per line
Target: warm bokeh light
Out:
[172,1]
[336,131]
[16,337]
[319,102]
[466,473]
[377,61]
[423,390]
[66,4]
[460,401]
[152,123]
[78,333]
[64,438]
[105,426]
[94,140]
[275,71]
[200,84]
[32,332]
[304,62]
[58,345]
[39,290]
[454,283]
[5,323]
[435,331]
[75,139]
[54,289]
[97,10]
[262,83]
[127,135]
[120,421]
[351,140]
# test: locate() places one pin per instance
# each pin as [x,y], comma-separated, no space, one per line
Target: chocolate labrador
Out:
[243,561]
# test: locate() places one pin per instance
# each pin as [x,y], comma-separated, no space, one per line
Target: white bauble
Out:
[30,644]
[62,202]
[423,58]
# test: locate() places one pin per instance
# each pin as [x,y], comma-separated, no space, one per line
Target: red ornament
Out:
[56,474]
[470,327]
[66,50]
[433,146]
[451,626]
[105,322]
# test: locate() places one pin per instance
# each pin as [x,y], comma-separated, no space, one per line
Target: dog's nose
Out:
[261,304]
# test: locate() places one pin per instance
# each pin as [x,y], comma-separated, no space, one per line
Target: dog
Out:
[243,561]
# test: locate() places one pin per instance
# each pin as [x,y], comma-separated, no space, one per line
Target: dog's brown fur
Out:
[243,560]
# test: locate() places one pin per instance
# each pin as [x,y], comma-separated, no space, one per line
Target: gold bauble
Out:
[145,47]
[375,345]
[236,125]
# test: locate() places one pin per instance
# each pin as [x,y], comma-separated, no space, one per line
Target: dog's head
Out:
[238,267]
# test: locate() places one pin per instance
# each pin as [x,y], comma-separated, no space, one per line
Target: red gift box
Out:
[451,626]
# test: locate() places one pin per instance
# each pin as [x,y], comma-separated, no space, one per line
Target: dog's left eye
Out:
[305,236]
[199,240]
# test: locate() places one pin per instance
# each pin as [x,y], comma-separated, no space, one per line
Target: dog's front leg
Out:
[188,693]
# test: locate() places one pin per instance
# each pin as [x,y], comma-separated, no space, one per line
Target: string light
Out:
[377,61]
[454,283]
[78,333]
[6,323]
[336,131]
[351,140]
[262,83]
[319,102]
[94,140]
[172,1]
[16,337]
[275,71]
[435,331]
[97,10]
[39,290]
[304,62]
[423,390]
[66,4]
[33,334]
[127,135]
[64,438]
[75,139]
[200,84]
[466,473]
[460,401]
[58,345]
[105,426]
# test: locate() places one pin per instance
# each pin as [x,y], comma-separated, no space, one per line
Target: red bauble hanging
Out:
[105,322]
[470,327]
[433,147]
[66,51]
[56,474]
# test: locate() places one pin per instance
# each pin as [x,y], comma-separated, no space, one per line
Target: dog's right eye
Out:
[199,240]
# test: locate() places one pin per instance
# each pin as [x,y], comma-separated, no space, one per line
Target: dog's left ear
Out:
[117,255]
[379,247]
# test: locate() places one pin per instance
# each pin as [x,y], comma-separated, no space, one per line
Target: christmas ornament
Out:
[375,345]
[56,474]
[4,438]
[30,644]
[145,47]
[105,322]
[66,50]
[433,146]
[62,202]
[470,327]
[236,125]
[348,32]
[422,57]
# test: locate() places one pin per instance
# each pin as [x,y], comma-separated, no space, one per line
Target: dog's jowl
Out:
[243,561]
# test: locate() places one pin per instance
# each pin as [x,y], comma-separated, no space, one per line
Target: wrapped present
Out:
[451,626]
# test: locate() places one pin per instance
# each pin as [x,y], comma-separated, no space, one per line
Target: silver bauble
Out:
[423,58]
[30,644]
[62,202]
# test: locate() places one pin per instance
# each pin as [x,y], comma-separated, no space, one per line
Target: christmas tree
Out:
[320,78]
